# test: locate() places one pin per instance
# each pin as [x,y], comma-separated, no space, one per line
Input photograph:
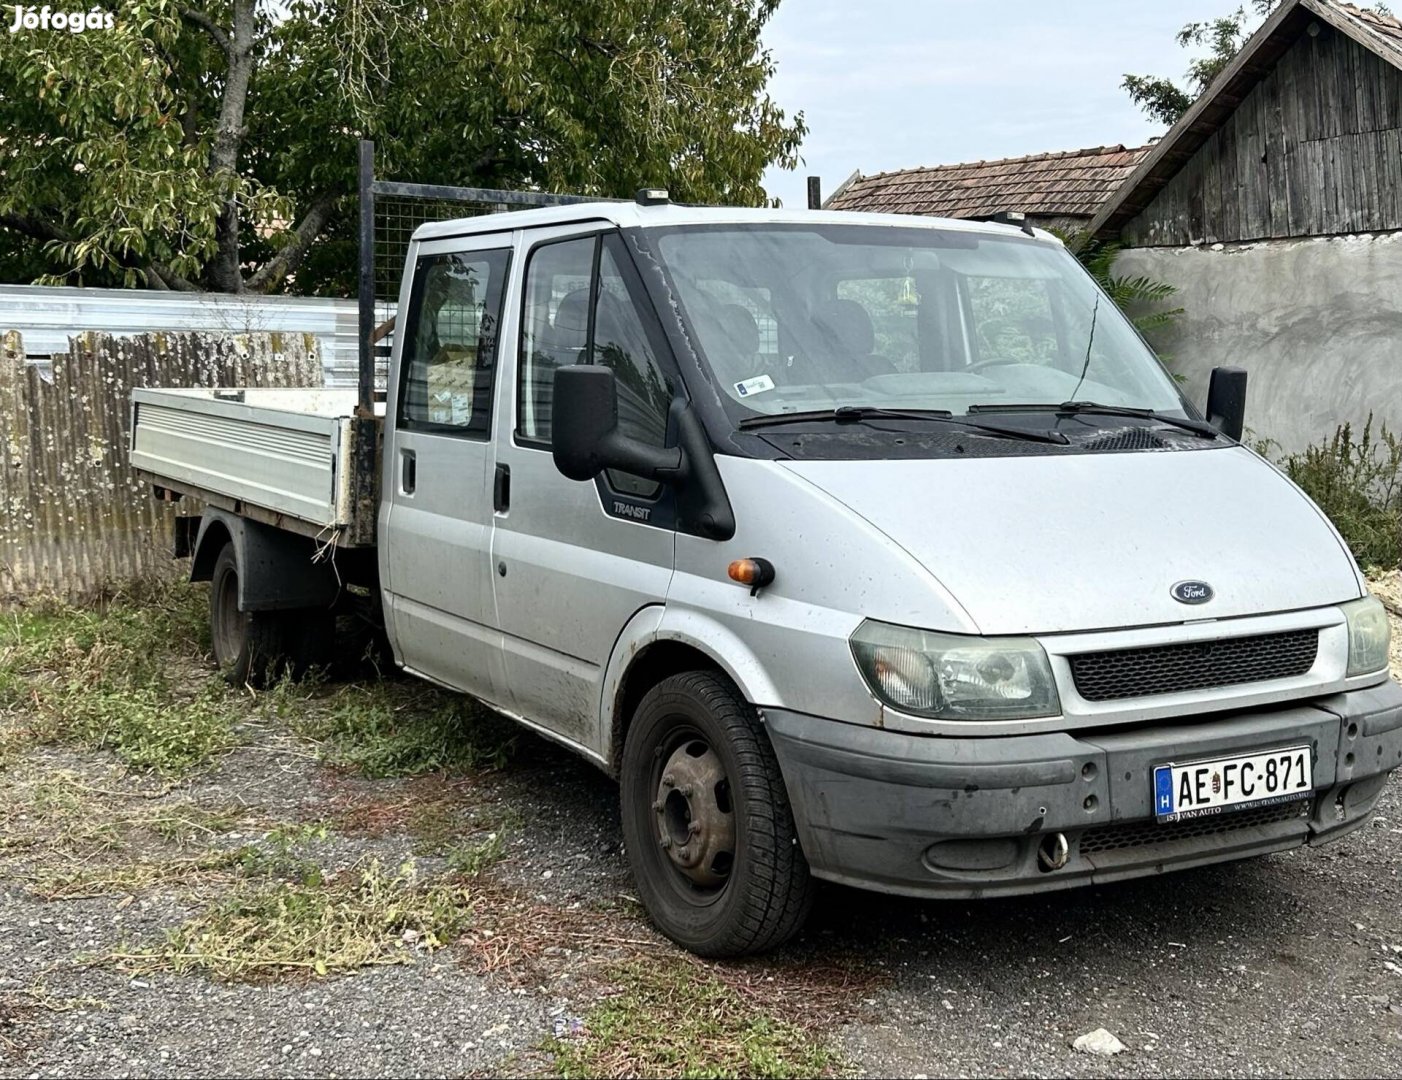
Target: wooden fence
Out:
[73,518]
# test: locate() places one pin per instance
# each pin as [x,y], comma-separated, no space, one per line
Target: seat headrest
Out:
[849,324]
[740,329]
[571,322]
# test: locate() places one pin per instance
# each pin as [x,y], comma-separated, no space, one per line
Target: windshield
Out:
[794,318]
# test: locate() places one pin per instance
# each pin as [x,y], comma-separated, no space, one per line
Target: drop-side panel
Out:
[281,450]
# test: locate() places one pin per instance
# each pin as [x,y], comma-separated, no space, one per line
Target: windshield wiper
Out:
[852,414]
[1095,408]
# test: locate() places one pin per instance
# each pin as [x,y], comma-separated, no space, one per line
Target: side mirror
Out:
[1226,400]
[585,439]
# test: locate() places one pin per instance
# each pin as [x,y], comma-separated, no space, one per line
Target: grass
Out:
[131,674]
[395,728]
[110,678]
[73,822]
[670,1017]
[472,858]
[131,677]
[80,881]
[309,924]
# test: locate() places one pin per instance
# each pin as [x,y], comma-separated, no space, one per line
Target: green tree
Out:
[1163,99]
[1140,297]
[213,147]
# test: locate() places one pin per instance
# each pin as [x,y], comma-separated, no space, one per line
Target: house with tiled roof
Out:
[1062,190]
[1274,205]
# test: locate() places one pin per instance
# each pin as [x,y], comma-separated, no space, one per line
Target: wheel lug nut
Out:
[685,792]
[658,806]
[694,828]
[667,781]
[666,841]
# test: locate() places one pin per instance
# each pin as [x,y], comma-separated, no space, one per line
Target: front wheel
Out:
[706,818]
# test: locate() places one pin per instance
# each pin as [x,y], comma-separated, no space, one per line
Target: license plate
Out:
[1231,783]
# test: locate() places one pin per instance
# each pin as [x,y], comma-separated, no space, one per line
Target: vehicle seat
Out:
[851,339]
[569,330]
[740,334]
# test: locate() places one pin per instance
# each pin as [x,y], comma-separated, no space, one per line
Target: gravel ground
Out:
[1287,965]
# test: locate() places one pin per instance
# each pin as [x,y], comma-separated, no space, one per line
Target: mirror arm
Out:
[620,452]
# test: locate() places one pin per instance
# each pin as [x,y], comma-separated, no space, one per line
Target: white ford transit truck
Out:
[864,548]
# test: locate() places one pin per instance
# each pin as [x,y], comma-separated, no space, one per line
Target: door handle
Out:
[409,472]
[501,489]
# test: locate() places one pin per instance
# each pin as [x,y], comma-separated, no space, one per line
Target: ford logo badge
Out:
[1192,592]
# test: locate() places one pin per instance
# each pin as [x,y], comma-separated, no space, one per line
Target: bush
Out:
[1357,482]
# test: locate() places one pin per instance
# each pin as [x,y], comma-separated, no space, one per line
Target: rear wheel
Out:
[706,818]
[258,647]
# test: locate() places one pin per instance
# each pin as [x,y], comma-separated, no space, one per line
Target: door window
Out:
[620,343]
[449,358]
[555,328]
[560,328]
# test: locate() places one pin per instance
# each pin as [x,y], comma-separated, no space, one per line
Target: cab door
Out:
[438,465]
[573,562]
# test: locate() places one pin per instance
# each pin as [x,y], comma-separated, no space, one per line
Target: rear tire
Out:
[255,648]
[706,818]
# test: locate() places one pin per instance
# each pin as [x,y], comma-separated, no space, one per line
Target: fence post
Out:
[366,401]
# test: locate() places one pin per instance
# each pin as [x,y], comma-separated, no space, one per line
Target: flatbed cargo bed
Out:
[300,459]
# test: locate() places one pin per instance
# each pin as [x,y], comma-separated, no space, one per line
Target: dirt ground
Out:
[1287,965]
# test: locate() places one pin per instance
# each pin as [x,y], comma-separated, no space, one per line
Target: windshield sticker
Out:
[758,385]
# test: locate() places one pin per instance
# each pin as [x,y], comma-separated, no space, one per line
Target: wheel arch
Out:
[658,643]
[277,569]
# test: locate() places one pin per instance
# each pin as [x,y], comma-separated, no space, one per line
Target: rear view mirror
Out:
[585,439]
[1226,401]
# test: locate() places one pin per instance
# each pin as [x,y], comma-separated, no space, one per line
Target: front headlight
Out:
[1369,635]
[949,677]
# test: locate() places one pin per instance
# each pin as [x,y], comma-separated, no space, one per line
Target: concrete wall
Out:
[1317,323]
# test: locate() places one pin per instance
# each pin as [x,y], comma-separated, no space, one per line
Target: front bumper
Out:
[936,816]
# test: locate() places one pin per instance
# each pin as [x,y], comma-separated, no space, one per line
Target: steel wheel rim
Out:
[229,623]
[694,827]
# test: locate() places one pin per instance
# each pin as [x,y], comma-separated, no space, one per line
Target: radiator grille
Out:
[1137,834]
[1197,665]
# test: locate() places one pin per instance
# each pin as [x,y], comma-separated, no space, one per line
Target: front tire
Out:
[706,818]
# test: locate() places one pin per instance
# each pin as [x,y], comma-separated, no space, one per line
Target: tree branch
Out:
[33,227]
[290,257]
[156,275]
[169,278]
[195,17]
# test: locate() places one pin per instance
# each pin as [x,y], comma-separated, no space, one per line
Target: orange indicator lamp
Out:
[756,573]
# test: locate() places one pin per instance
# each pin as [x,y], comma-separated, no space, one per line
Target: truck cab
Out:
[864,548]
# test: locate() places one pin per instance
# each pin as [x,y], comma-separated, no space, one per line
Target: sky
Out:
[892,84]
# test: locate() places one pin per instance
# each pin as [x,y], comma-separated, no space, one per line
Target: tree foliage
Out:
[1163,99]
[1140,297]
[214,147]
